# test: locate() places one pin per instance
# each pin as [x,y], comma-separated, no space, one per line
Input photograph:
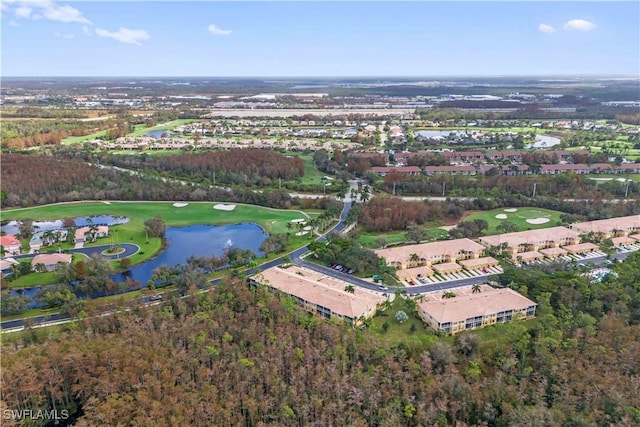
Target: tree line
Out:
[29,180]
[243,166]
[241,356]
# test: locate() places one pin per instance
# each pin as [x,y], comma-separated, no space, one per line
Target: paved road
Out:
[297,258]
[129,249]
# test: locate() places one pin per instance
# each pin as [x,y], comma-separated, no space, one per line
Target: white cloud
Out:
[87,30]
[47,9]
[13,23]
[125,35]
[545,28]
[23,12]
[579,25]
[218,31]
[63,36]
[63,14]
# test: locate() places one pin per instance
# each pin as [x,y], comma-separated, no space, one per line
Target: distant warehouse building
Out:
[321,294]
[472,310]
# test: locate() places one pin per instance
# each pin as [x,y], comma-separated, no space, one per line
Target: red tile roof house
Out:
[51,261]
[10,243]
[562,168]
[602,168]
[83,234]
[506,170]
[451,170]
[629,167]
[464,156]
[403,170]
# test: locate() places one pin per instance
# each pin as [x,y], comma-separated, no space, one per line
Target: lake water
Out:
[544,141]
[435,134]
[198,240]
[157,133]
[13,227]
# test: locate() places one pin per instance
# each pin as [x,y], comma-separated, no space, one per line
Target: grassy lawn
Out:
[518,218]
[370,240]
[311,174]
[607,178]
[141,130]
[401,332]
[78,139]
[272,220]
[37,279]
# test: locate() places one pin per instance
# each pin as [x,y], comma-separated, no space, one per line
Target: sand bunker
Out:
[308,227]
[223,207]
[301,233]
[299,220]
[180,205]
[511,210]
[106,203]
[501,216]
[538,220]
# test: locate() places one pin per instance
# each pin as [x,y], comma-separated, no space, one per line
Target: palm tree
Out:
[93,229]
[448,294]
[414,258]
[47,238]
[289,227]
[476,288]
[350,289]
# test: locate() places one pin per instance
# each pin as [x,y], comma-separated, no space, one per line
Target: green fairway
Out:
[519,218]
[371,240]
[272,220]
[79,139]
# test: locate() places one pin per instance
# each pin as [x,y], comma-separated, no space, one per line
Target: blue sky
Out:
[208,38]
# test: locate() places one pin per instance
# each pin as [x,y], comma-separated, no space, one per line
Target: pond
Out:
[157,134]
[544,141]
[13,227]
[200,240]
[183,242]
[434,134]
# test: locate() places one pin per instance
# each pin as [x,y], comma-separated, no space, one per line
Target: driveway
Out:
[129,249]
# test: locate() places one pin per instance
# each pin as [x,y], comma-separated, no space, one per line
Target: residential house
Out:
[321,294]
[402,170]
[6,266]
[532,241]
[429,254]
[51,261]
[555,169]
[83,234]
[470,309]
[10,243]
[450,170]
[612,227]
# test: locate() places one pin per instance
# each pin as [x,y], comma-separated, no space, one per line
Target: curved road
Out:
[297,258]
[129,249]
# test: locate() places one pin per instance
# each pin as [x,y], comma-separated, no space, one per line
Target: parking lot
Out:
[463,274]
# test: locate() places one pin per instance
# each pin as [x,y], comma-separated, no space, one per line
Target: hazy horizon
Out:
[319,39]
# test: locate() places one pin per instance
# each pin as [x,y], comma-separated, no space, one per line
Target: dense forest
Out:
[20,134]
[565,185]
[391,213]
[241,356]
[246,166]
[29,180]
